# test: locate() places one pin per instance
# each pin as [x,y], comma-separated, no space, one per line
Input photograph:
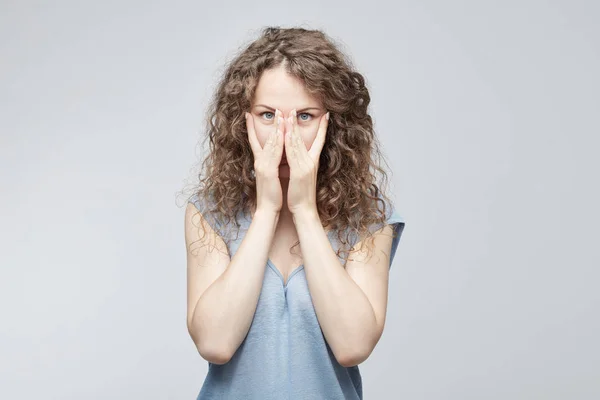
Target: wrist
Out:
[270,212]
[305,214]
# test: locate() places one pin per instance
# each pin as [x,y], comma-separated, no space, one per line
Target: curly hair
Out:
[347,194]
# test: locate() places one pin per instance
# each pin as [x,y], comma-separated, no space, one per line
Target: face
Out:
[277,89]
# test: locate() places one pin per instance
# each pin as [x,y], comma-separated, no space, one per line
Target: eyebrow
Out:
[301,110]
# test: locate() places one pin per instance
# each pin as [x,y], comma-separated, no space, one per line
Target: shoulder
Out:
[201,225]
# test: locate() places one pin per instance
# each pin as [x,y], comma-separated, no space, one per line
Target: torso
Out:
[284,259]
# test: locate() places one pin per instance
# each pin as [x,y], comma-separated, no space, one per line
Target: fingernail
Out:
[246,115]
[327,116]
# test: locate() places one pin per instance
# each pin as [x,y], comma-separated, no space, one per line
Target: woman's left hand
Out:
[304,165]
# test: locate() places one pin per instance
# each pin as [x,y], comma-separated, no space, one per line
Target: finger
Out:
[254,144]
[271,139]
[275,149]
[300,146]
[317,146]
[290,145]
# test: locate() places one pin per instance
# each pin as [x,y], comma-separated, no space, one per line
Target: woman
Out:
[291,150]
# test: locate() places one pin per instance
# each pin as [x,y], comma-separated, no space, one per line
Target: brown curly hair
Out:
[346,193]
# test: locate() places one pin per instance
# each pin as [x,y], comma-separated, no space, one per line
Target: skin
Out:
[277,90]
[352,326]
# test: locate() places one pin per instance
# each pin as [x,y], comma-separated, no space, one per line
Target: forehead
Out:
[276,88]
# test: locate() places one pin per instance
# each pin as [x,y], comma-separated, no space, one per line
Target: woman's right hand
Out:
[269,194]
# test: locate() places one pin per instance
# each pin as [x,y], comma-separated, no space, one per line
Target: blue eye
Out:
[268,112]
[299,116]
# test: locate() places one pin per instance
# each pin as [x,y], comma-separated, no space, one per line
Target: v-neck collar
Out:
[272,265]
[278,272]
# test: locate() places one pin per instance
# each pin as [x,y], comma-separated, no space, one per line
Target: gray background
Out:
[487,110]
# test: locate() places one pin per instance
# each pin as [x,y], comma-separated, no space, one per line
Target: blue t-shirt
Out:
[285,354]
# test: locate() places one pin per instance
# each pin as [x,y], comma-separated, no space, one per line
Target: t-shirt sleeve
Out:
[397,222]
[202,205]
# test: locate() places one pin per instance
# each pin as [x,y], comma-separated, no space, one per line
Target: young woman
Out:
[291,152]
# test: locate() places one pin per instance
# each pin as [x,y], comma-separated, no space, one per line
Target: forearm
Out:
[342,308]
[224,312]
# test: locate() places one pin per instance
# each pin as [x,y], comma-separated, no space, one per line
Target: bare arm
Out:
[350,301]
[223,292]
